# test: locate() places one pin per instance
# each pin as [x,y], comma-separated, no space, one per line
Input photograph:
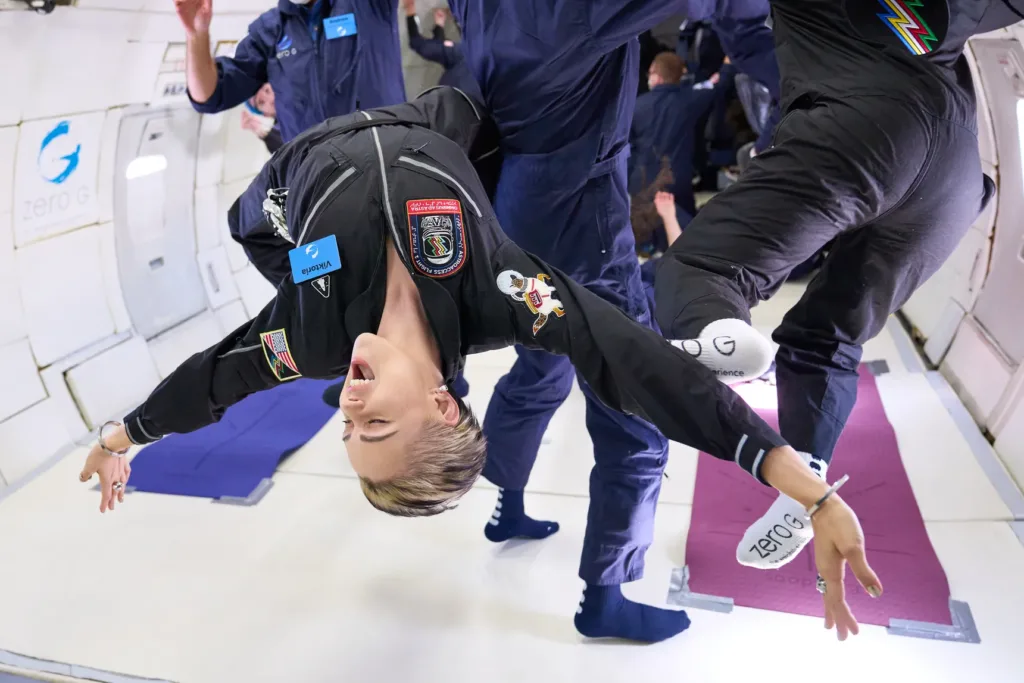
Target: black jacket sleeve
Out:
[274,141]
[630,367]
[270,349]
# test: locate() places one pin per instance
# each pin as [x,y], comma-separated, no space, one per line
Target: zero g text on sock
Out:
[771,542]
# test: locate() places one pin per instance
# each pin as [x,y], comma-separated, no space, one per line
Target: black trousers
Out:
[896,187]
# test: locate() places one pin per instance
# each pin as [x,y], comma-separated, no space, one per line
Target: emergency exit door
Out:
[154,182]
[998,308]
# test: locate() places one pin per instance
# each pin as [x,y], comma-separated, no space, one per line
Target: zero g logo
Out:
[56,162]
[284,48]
[312,251]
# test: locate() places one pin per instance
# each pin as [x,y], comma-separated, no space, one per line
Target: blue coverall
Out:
[665,125]
[326,59]
[748,42]
[560,78]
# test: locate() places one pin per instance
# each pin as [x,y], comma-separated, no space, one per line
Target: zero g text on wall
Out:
[56,176]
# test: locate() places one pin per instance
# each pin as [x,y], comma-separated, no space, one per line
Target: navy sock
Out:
[605,613]
[509,520]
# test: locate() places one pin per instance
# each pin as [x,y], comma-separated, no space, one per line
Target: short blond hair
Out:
[444,464]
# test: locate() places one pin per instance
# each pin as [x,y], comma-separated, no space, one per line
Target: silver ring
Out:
[821,585]
[118,486]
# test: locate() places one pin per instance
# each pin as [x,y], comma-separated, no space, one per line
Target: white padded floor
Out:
[313,585]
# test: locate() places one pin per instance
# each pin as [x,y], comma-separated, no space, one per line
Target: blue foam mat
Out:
[231,458]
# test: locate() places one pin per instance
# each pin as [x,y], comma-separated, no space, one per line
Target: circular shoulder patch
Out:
[918,26]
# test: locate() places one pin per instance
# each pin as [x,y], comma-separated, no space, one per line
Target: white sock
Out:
[730,348]
[779,536]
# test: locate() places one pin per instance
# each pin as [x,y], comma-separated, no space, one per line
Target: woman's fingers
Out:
[106,490]
[863,571]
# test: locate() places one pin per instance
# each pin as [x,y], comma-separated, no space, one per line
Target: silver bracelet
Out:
[828,494]
[102,443]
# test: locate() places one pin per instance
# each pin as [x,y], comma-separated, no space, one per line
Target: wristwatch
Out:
[102,443]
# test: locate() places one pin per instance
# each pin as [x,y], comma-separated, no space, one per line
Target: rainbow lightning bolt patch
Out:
[437,236]
[906,22]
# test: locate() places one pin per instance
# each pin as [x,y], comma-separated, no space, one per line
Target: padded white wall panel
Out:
[12,317]
[29,439]
[231,317]
[976,370]
[124,5]
[8,151]
[210,155]
[64,403]
[112,279]
[173,347]
[108,152]
[986,136]
[207,218]
[20,32]
[216,272]
[115,380]
[64,294]
[244,153]
[1009,444]
[22,386]
[106,71]
[256,291]
[227,194]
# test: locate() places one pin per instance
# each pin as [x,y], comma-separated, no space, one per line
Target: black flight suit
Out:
[403,173]
[878,150]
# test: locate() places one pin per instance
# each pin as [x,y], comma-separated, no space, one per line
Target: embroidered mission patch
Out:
[918,26]
[437,236]
[534,292]
[278,355]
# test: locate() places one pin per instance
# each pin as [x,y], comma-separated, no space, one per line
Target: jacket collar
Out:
[290,8]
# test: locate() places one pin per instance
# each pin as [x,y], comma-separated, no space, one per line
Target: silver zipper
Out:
[387,196]
[438,172]
[323,198]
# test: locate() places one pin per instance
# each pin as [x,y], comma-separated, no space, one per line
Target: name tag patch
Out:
[437,236]
[918,26]
[315,259]
[534,292]
[340,27]
[278,355]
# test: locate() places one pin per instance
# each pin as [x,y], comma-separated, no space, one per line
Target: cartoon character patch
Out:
[919,26]
[535,292]
[437,236]
[278,355]
[273,209]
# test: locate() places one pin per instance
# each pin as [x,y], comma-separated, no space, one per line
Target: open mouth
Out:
[360,373]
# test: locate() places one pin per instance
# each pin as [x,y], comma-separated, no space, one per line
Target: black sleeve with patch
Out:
[259,355]
[630,367]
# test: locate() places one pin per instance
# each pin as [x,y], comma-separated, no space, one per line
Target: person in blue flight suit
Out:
[438,49]
[560,80]
[324,58]
[747,41]
[878,154]
[664,129]
[700,49]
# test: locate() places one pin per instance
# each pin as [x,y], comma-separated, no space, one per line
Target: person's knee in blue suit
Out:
[563,95]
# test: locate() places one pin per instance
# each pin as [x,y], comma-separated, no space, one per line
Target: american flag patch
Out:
[278,355]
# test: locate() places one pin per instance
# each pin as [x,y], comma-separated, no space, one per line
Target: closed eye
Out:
[371,439]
